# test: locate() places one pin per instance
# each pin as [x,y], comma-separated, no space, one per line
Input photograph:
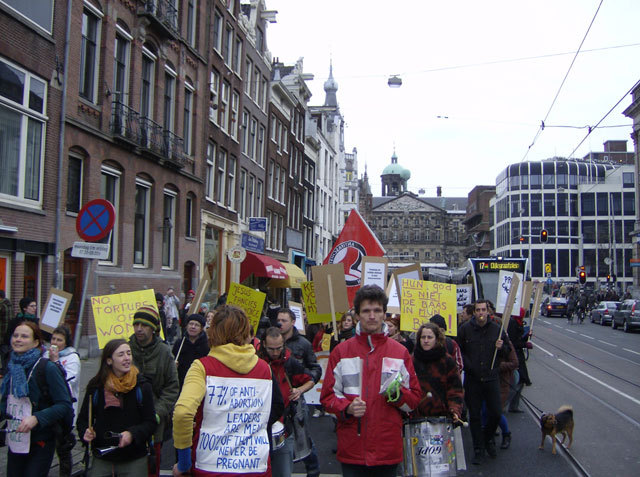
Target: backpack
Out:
[63,429]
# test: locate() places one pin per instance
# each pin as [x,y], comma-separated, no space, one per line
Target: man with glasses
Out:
[369,382]
[293,382]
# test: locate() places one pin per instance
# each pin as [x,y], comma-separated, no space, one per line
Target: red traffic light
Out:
[582,276]
[544,236]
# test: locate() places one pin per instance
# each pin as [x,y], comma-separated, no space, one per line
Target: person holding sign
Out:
[117,417]
[192,346]
[478,338]
[153,358]
[231,396]
[369,382]
[294,382]
[33,407]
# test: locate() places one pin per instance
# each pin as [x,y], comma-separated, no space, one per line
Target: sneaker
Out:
[316,413]
[490,446]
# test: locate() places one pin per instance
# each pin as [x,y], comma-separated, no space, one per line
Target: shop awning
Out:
[295,279]
[262,266]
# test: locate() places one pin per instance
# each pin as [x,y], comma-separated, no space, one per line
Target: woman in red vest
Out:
[230,395]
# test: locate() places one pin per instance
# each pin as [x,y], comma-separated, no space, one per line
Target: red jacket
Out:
[375,438]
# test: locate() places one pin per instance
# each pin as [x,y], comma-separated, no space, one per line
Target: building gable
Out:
[406,202]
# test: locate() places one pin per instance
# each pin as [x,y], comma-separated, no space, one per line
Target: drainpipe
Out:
[63,113]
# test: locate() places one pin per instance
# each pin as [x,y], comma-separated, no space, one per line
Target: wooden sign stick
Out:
[536,303]
[332,306]
[506,314]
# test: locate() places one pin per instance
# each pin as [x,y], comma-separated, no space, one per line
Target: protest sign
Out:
[202,288]
[504,285]
[338,288]
[463,294]
[393,306]
[309,299]
[55,309]
[527,293]
[374,271]
[296,308]
[249,300]
[113,314]
[312,396]
[421,300]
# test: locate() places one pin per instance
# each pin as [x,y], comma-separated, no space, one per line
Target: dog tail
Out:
[564,408]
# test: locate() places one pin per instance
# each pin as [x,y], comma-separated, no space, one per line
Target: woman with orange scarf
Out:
[117,418]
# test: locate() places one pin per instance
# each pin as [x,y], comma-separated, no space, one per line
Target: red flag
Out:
[354,242]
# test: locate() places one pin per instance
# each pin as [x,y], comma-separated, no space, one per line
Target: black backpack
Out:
[63,429]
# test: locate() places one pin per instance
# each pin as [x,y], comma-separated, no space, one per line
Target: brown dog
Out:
[559,423]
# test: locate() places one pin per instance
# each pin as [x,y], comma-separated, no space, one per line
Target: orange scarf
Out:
[122,384]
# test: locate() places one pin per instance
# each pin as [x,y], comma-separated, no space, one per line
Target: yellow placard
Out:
[249,300]
[421,300]
[113,314]
[309,299]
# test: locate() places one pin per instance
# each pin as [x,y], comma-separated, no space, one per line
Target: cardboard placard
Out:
[537,301]
[514,289]
[504,286]
[527,292]
[249,300]
[338,288]
[297,310]
[113,314]
[422,299]
[413,272]
[55,309]
[463,296]
[393,306]
[202,288]
[309,299]
[374,271]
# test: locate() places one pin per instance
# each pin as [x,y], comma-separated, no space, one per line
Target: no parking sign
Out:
[95,220]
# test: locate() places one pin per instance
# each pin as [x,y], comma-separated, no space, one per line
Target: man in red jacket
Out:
[369,382]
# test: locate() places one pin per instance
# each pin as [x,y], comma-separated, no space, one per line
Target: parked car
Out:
[603,313]
[627,316]
[554,306]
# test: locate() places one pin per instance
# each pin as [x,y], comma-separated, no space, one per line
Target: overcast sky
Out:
[450,55]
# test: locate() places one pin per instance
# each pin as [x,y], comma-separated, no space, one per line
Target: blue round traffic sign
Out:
[95,220]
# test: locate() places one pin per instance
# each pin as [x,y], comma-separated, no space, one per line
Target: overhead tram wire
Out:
[541,127]
[591,129]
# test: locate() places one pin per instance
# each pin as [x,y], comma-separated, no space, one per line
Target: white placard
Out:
[18,409]
[312,396]
[55,309]
[233,435]
[394,299]
[463,294]
[374,273]
[504,285]
[297,310]
[90,250]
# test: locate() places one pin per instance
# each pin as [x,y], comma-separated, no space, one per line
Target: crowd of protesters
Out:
[232,398]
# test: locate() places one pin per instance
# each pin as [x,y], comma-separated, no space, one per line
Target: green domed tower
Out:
[394,178]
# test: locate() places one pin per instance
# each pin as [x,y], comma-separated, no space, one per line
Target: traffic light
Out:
[608,278]
[521,239]
[544,236]
[583,277]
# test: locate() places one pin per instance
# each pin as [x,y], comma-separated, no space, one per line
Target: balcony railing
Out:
[147,134]
[164,13]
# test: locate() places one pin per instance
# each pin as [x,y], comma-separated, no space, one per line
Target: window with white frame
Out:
[280,231]
[211,171]
[267,235]
[251,187]
[147,84]
[89,52]
[235,104]
[248,72]
[230,201]
[263,99]
[282,180]
[74,184]
[169,98]
[141,223]
[188,219]
[23,99]
[221,165]
[244,133]
[237,55]
[276,184]
[270,182]
[252,138]
[191,22]
[121,66]
[256,83]
[40,13]
[217,31]
[110,190]
[242,185]
[187,120]
[168,227]
[260,147]
[228,45]
[224,106]
[214,85]
[258,207]
[273,127]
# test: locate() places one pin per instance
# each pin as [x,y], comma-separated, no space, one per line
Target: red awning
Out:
[262,266]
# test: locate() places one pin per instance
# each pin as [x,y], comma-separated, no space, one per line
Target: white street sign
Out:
[90,250]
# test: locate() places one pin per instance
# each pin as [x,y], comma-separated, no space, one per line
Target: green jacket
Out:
[157,365]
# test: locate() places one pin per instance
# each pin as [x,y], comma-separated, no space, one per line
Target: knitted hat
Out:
[439,320]
[147,316]
[196,317]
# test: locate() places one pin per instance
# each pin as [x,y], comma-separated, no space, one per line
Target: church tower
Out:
[394,178]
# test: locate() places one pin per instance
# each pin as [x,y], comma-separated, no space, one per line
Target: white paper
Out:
[373,274]
[394,300]
[463,293]
[18,408]
[297,310]
[312,396]
[504,285]
[52,315]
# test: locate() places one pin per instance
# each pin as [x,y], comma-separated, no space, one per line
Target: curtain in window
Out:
[9,151]
[32,166]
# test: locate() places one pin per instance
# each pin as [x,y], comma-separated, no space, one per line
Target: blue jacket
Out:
[47,416]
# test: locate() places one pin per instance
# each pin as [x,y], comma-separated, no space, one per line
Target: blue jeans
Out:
[282,459]
[37,462]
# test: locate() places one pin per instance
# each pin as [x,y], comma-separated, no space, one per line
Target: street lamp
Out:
[394,81]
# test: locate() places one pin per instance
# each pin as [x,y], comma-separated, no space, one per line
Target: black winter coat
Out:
[302,350]
[137,418]
[189,353]
[477,344]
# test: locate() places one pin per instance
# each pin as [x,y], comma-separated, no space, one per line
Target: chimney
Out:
[439,191]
